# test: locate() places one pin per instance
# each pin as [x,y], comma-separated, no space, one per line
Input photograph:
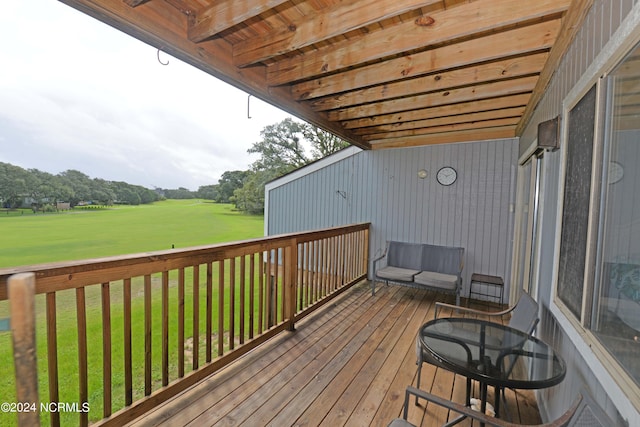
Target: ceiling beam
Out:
[519,100]
[447,138]
[466,94]
[572,22]
[484,73]
[328,23]
[508,121]
[224,14]
[520,41]
[472,19]
[502,113]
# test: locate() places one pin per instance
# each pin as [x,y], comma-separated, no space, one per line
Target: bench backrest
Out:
[404,255]
[443,259]
[424,257]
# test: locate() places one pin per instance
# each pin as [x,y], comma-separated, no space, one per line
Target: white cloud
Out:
[77,94]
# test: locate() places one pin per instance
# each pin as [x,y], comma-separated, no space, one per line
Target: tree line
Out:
[284,147]
[42,190]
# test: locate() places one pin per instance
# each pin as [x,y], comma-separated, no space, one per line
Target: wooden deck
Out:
[348,364]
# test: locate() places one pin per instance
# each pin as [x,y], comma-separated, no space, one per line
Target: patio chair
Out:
[524,317]
[583,412]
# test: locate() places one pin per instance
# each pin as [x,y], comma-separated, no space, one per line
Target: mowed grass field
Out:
[91,233]
[31,239]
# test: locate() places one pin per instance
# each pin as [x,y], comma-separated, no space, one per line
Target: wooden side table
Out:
[482,284]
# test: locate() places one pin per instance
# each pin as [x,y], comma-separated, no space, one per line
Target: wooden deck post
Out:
[23,331]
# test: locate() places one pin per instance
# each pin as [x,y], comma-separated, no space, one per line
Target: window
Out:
[599,255]
[615,316]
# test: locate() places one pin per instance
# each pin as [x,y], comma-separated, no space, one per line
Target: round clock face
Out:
[615,172]
[447,175]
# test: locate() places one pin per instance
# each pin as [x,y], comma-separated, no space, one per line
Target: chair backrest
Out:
[524,316]
[590,414]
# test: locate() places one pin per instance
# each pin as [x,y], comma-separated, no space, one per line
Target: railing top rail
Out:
[82,272]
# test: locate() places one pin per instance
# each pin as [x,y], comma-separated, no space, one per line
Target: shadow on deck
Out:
[347,364]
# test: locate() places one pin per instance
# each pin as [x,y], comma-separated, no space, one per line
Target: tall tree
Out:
[283,148]
[229,182]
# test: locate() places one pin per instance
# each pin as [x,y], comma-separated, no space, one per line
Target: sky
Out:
[78,94]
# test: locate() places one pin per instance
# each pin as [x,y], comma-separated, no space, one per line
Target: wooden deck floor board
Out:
[297,374]
[367,370]
[318,374]
[376,390]
[347,364]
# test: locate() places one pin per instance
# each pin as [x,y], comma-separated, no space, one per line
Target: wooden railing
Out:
[129,332]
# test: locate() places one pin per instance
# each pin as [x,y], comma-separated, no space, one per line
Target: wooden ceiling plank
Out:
[511,121]
[224,14]
[520,41]
[447,80]
[519,100]
[484,72]
[572,22]
[334,21]
[472,93]
[475,18]
[446,138]
[502,113]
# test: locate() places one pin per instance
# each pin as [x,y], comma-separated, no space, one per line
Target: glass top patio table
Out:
[492,353]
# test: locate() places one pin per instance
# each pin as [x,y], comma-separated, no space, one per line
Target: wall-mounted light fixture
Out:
[422,173]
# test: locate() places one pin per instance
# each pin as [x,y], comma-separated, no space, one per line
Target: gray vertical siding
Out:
[598,29]
[382,187]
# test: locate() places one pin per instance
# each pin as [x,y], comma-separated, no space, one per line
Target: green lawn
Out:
[30,239]
[79,234]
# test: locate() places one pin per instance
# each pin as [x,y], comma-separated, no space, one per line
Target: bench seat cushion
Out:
[397,273]
[436,280]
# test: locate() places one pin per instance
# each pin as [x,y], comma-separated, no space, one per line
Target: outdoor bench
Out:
[421,265]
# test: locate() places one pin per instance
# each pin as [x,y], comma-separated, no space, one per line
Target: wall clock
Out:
[447,175]
[615,172]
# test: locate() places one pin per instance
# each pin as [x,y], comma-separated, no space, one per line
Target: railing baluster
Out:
[196,317]
[180,323]
[147,335]
[81,316]
[128,374]
[243,266]
[308,246]
[52,354]
[314,271]
[279,286]
[209,311]
[299,284]
[252,292]
[232,302]
[220,307]
[269,291]
[261,292]
[106,350]
[165,328]
[325,268]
